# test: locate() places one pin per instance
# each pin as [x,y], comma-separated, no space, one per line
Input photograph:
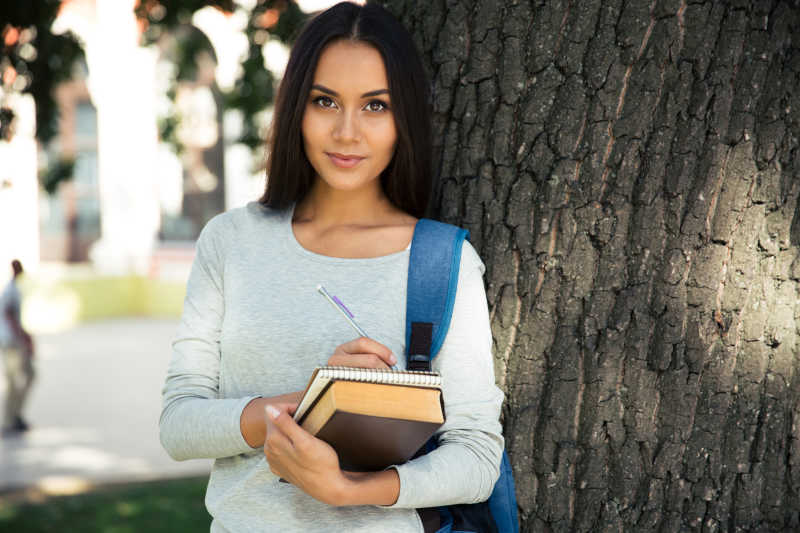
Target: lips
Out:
[344,160]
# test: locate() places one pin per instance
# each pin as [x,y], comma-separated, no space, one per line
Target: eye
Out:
[324,101]
[377,106]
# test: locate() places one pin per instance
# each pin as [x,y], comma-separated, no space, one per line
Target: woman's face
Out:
[348,127]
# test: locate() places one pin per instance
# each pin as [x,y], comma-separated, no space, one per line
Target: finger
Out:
[363,345]
[360,360]
[275,439]
[285,424]
[366,345]
[289,407]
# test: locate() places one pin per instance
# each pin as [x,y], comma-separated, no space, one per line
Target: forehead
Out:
[351,66]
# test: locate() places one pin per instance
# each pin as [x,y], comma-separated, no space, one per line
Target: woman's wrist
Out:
[251,421]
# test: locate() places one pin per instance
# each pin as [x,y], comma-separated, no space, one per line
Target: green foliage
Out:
[43,59]
[6,120]
[168,128]
[183,49]
[156,507]
[169,14]
[54,174]
[191,42]
[290,22]
[254,91]
[40,58]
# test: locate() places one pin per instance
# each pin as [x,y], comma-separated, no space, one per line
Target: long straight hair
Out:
[407,179]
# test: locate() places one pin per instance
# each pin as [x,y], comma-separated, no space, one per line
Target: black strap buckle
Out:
[419,346]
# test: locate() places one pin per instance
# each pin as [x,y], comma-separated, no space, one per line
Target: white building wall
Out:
[19,190]
[121,81]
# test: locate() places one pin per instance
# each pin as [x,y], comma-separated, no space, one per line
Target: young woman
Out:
[349,174]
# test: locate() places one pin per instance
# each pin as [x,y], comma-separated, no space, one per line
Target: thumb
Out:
[275,437]
[282,421]
[271,413]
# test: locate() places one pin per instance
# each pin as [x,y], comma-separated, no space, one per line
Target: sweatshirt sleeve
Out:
[195,422]
[466,465]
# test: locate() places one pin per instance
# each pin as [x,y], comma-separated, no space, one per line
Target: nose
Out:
[347,127]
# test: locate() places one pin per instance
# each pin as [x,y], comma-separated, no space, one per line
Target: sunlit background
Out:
[158,126]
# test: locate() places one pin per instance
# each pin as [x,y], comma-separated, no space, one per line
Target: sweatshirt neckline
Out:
[298,248]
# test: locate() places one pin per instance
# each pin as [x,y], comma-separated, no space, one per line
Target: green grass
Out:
[55,305]
[152,507]
[126,296]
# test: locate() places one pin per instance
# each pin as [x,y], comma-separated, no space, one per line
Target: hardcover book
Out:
[372,418]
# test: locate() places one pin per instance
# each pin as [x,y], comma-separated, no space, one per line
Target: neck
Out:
[330,207]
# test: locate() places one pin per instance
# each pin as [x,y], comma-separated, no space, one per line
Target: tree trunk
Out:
[630,175]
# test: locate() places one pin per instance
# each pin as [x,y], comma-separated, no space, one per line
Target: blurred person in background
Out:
[16,346]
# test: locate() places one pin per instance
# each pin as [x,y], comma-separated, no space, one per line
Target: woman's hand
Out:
[303,460]
[312,465]
[362,352]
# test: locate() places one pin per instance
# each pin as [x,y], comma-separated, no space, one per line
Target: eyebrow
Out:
[331,92]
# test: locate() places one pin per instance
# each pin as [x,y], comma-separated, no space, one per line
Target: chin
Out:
[347,187]
[342,183]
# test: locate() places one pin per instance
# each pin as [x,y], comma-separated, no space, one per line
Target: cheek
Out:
[312,128]
[388,139]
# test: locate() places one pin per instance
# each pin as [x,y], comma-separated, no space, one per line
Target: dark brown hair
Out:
[407,180]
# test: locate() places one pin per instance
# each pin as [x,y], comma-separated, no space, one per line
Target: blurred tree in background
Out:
[253,91]
[33,60]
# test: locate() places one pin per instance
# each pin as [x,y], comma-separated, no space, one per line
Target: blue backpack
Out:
[432,282]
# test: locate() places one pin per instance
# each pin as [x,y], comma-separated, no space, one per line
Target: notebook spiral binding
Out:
[375,375]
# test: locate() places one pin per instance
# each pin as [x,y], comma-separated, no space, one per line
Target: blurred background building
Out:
[160,125]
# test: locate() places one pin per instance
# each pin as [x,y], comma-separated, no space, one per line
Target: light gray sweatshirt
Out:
[254,325]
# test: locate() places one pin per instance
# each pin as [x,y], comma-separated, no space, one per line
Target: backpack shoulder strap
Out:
[432,281]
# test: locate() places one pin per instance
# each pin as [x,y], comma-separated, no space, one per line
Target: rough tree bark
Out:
[629,172]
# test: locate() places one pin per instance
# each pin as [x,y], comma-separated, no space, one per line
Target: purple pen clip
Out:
[341,304]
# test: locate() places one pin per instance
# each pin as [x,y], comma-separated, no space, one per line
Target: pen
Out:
[338,304]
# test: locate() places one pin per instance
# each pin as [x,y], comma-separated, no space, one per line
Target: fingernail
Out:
[392,358]
[272,412]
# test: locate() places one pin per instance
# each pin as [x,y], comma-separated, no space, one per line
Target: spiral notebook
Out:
[323,375]
[372,418]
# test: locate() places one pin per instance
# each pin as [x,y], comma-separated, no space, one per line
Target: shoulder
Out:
[239,220]
[470,260]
